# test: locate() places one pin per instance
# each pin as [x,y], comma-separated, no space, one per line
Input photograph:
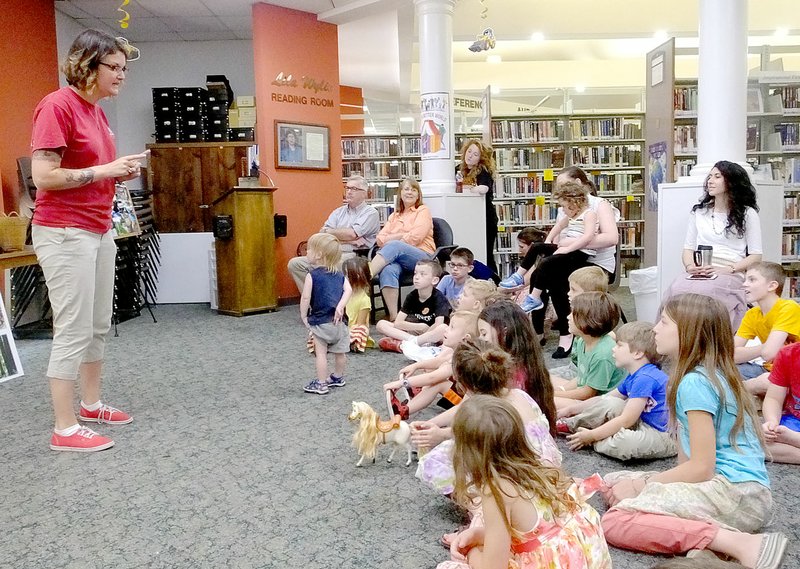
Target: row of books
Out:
[507,241]
[630,207]
[410,146]
[684,100]
[790,246]
[528,158]
[525,212]
[382,192]
[614,127]
[629,236]
[792,287]
[522,186]
[607,155]
[527,130]
[370,147]
[790,170]
[790,96]
[791,208]
[388,170]
[683,167]
[790,134]
[685,137]
[618,182]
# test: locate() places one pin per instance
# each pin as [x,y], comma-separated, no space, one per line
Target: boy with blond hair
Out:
[775,321]
[473,298]
[630,421]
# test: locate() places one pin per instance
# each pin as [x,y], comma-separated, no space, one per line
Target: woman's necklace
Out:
[714,223]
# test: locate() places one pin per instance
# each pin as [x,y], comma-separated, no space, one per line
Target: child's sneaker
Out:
[334,381]
[318,387]
[530,304]
[82,440]
[562,428]
[514,280]
[390,345]
[105,414]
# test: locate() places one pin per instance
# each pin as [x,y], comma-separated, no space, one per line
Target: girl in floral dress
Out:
[480,368]
[534,515]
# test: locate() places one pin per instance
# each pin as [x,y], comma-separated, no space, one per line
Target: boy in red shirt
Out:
[782,407]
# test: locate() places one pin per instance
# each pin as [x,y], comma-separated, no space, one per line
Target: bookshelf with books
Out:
[773,142]
[529,152]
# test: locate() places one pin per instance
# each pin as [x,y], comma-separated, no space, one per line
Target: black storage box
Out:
[242,134]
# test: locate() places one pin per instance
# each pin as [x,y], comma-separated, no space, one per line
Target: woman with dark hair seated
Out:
[725,222]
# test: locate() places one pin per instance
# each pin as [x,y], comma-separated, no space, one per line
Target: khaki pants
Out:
[299,268]
[641,441]
[78,268]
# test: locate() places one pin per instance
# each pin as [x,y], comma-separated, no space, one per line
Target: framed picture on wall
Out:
[302,146]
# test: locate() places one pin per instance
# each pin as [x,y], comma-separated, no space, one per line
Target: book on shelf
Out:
[623,155]
[792,171]
[790,246]
[610,128]
[790,96]
[685,137]
[370,147]
[522,130]
[792,288]
[525,212]
[790,135]
[685,100]
[790,208]
[529,158]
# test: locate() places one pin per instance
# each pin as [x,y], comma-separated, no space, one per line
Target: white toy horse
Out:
[372,431]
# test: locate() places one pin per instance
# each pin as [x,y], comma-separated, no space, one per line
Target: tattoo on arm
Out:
[80,177]
[47,155]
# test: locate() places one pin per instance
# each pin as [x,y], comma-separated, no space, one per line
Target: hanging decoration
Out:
[484,42]
[123,22]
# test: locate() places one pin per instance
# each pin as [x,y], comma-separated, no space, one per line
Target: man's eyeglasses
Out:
[355,189]
[452,265]
[114,67]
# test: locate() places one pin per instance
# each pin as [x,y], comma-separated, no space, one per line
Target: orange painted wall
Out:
[295,43]
[28,71]
[352,104]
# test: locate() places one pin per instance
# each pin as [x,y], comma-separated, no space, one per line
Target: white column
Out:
[435,23]
[722,84]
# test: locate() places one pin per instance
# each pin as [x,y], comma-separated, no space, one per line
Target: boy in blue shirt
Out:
[630,421]
[459,267]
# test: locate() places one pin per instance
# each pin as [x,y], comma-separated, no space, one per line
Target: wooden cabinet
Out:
[187,177]
[246,261]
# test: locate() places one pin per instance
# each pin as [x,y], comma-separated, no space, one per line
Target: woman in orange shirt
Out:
[406,238]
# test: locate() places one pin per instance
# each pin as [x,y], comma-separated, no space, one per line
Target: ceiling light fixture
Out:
[661,35]
[580,88]
[781,32]
[537,37]
[495,90]
[493,59]
[406,119]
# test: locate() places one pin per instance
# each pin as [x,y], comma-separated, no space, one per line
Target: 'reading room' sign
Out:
[319,88]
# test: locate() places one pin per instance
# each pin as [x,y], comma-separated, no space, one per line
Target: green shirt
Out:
[597,368]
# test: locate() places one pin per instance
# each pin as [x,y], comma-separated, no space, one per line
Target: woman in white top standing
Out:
[725,219]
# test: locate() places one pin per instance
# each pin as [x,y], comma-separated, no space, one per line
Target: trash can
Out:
[644,288]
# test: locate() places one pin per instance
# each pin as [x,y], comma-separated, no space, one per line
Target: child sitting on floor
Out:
[781,408]
[585,279]
[719,492]
[630,421]
[534,515]
[459,267]
[473,298]
[594,315]
[504,324]
[423,308]
[480,368]
[322,303]
[775,321]
[436,378]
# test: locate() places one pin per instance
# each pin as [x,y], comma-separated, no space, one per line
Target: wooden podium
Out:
[246,261]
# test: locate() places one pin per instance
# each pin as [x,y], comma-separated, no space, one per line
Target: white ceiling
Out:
[377,44]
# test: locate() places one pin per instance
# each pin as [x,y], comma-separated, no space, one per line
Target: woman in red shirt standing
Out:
[74,168]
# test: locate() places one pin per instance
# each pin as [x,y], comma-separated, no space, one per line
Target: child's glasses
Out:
[452,265]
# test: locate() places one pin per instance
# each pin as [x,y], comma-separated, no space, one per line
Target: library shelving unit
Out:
[773,143]
[383,160]
[530,150]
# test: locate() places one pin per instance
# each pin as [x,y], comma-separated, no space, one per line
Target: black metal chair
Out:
[442,238]
[614,279]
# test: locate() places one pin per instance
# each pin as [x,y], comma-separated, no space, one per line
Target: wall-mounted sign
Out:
[283,80]
[435,129]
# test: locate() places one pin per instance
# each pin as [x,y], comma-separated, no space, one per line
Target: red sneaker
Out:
[105,414]
[390,345]
[562,428]
[83,440]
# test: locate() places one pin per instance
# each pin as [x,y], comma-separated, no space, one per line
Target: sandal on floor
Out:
[773,548]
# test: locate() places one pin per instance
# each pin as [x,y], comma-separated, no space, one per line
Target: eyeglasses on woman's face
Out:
[116,69]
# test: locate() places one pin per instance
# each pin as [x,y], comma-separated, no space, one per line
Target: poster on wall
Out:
[657,169]
[435,128]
